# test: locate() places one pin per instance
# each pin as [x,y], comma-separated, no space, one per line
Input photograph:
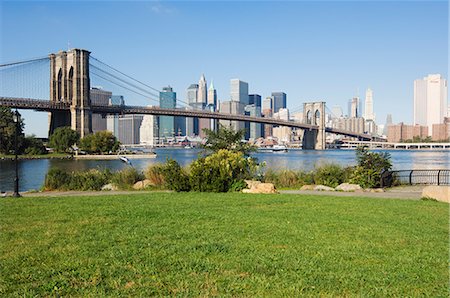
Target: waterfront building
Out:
[402,132]
[283,134]
[148,130]
[279,101]
[99,97]
[353,124]
[167,100]
[430,101]
[129,129]
[368,105]
[441,132]
[234,108]
[202,91]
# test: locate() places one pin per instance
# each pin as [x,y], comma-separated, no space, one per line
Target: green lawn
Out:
[223,244]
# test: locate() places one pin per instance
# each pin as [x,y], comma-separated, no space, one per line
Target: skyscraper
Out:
[99,97]
[279,101]
[167,100]
[239,91]
[212,96]
[368,105]
[430,101]
[354,111]
[202,90]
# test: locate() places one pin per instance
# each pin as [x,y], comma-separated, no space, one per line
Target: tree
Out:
[63,138]
[99,142]
[370,167]
[7,130]
[33,146]
[228,139]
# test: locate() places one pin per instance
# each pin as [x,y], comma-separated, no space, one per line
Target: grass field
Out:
[192,244]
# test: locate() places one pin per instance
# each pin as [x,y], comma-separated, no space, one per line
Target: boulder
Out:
[323,188]
[348,187]
[376,190]
[142,184]
[259,187]
[307,187]
[109,186]
[439,193]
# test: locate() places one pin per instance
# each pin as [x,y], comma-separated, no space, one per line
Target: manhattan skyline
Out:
[309,50]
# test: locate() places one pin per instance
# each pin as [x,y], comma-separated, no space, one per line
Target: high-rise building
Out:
[192,93]
[267,106]
[402,132]
[354,111]
[368,106]
[167,100]
[129,129]
[239,91]
[148,130]
[279,101]
[254,130]
[99,97]
[212,96]
[430,101]
[202,90]
[336,112]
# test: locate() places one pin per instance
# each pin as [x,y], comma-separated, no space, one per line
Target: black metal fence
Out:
[411,177]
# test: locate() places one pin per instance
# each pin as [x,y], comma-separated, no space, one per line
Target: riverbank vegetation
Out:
[191,244]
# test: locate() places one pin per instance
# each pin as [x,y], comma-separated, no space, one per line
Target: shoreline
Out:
[113,157]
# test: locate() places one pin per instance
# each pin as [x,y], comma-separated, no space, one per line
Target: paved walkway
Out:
[402,192]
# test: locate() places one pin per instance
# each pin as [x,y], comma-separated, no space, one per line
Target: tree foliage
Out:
[33,146]
[7,130]
[370,167]
[99,142]
[63,138]
[225,138]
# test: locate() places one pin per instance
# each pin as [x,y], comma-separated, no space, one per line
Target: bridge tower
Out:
[314,113]
[70,83]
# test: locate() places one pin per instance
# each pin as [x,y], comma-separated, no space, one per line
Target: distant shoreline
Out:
[79,157]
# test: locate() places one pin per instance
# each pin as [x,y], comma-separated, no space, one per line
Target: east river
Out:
[32,172]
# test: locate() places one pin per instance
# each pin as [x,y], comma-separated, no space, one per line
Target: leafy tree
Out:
[370,167]
[7,130]
[63,138]
[99,142]
[228,139]
[33,146]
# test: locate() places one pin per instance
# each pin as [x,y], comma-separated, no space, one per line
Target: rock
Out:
[142,184]
[348,187]
[439,193]
[307,187]
[323,188]
[376,190]
[109,186]
[259,187]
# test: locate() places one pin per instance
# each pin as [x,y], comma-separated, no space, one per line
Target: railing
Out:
[412,177]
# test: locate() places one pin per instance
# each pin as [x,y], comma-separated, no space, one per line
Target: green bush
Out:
[126,178]
[94,179]
[33,146]
[63,138]
[330,175]
[100,142]
[221,170]
[175,178]
[370,166]
[288,178]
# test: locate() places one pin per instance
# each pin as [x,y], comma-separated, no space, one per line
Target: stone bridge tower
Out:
[314,113]
[70,83]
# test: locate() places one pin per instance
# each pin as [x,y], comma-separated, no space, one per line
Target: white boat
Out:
[125,159]
[279,148]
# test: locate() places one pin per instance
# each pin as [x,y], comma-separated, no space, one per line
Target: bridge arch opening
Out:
[309,117]
[70,86]
[59,85]
[317,118]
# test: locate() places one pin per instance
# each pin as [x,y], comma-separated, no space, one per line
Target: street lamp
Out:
[16,179]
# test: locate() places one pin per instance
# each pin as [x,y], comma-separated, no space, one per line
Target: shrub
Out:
[94,179]
[370,166]
[99,142]
[33,146]
[63,138]
[155,174]
[288,178]
[175,178]
[220,170]
[126,178]
[330,175]
[56,179]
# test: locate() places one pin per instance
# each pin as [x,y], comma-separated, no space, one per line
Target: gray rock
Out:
[323,188]
[348,187]
[109,186]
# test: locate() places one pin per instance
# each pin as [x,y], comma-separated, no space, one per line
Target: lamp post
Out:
[16,179]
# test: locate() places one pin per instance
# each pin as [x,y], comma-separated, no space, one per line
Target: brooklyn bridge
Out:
[69,101]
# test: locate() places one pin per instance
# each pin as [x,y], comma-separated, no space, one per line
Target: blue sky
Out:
[311,50]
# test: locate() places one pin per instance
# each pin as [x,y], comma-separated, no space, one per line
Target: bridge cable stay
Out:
[25,79]
[138,81]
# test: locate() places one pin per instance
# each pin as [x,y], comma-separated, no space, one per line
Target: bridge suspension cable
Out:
[24,61]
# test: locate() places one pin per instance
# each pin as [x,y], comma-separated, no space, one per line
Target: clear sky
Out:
[319,50]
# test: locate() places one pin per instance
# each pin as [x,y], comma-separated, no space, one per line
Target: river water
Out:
[32,172]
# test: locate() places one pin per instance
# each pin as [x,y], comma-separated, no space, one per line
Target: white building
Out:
[148,130]
[368,105]
[239,91]
[202,90]
[430,101]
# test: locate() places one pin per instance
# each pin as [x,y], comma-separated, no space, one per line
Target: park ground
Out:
[231,244]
